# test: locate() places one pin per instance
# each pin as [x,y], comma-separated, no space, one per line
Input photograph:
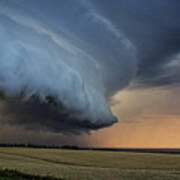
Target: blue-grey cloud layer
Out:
[64,59]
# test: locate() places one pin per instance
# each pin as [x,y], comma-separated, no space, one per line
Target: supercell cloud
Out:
[61,61]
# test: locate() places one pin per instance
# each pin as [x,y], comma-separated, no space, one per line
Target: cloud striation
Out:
[61,62]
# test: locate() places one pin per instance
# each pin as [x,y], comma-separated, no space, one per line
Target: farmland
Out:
[29,163]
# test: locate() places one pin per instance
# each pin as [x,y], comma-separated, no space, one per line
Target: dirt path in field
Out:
[51,161]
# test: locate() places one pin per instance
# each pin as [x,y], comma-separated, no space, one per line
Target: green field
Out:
[88,165]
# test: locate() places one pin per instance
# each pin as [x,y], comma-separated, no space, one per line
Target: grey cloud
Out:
[40,68]
[79,54]
[154,28]
[46,117]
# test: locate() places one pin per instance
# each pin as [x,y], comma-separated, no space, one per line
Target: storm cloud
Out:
[61,62]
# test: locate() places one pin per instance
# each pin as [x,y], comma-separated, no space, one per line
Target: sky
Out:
[90,73]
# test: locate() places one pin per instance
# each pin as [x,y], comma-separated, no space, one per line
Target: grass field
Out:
[88,165]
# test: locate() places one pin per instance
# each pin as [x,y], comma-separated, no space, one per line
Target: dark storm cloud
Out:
[154,28]
[62,61]
[46,117]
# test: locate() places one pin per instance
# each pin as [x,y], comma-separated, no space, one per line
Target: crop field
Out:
[49,164]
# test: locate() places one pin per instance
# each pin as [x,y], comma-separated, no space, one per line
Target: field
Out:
[30,163]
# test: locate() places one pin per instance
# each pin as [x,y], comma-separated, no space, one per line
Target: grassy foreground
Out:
[15,175]
[88,165]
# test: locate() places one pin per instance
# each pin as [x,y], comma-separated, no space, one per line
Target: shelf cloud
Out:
[61,62]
